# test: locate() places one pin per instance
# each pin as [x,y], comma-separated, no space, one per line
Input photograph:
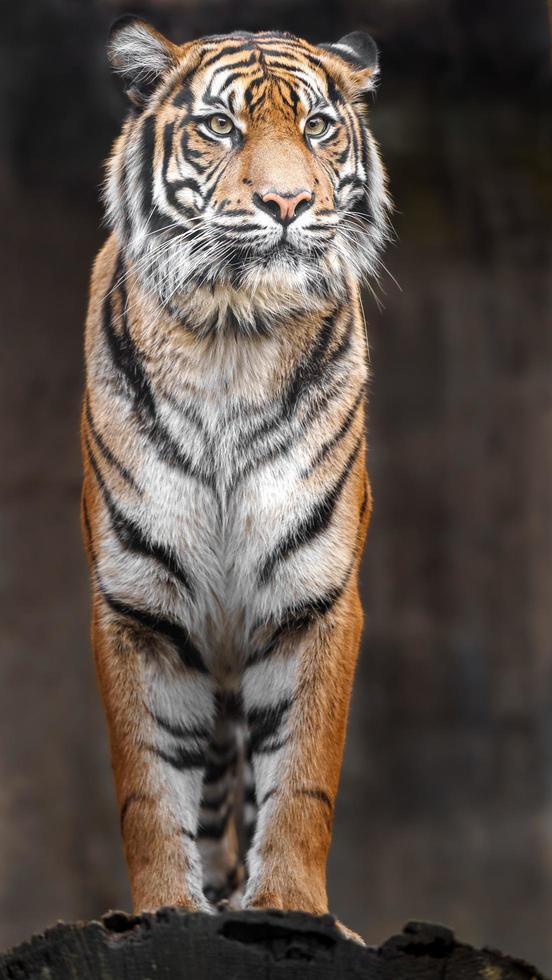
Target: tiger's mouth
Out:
[284,250]
[281,255]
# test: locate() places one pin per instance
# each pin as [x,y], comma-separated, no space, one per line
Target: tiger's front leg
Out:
[296,694]
[161,719]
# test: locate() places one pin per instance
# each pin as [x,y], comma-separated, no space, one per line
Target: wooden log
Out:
[240,945]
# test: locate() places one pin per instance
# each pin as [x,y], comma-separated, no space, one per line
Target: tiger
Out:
[225,497]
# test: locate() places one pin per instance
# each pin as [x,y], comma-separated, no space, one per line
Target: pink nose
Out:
[286,207]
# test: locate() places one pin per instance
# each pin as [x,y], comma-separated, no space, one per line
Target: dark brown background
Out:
[445,809]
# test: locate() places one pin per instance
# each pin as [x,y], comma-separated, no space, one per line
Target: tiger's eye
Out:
[221,125]
[316,126]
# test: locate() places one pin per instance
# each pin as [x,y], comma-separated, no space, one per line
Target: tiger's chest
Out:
[224,515]
[234,523]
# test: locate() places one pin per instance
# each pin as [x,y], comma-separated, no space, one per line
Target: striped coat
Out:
[225,499]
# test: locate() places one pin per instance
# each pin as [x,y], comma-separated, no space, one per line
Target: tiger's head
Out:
[246,164]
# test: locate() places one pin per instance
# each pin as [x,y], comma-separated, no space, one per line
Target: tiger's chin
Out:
[284,267]
[254,297]
[253,291]
[297,274]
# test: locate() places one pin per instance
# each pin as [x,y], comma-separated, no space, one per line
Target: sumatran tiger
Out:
[225,499]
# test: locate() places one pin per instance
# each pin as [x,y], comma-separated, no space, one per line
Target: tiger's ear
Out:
[140,55]
[360,52]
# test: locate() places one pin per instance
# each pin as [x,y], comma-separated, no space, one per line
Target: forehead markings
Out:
[230,73]
[273,87]
[297,50]
[223,52]
[289,95]
[275,53]
[292,52]
[233,65]
[287,60]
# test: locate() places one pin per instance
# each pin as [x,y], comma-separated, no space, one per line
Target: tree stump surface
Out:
[239,945]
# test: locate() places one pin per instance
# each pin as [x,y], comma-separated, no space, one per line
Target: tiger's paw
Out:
[225,892]
[349,934]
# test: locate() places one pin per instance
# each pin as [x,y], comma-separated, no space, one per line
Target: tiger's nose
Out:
[284,207]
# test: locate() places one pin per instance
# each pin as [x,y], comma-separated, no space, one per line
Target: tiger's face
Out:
[247,163]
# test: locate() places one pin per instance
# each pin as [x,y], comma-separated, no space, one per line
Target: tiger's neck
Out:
[228,342]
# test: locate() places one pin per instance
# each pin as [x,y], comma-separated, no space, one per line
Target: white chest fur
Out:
[220,460]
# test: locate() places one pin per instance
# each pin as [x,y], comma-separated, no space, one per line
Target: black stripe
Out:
[283,443]
[352,179]
[166,628]
[229,704]
[298,618]
[191,184]
[250,795]
[344,154]
[188,833]
[178,730]
[264,724]
[146,153]
[231,66]
[298,73]
[216,802]
[130,800]
[218,751]
[215,829]
[308,368]
[237,227]
[122,350]
[87,527]
[233,76]
[167,448]
[334,93]
[327,447]
[249,94]
[192,156]
[365,498]
[319,229]
[190,412]
[267,748]
[314,524]
[216,770]
[341,348]
[363,205]
[313,367]
[172,186]
[131,536]
[142,798]
[268,796]
[236,48]
[352,136]
[127,362]
[181,758]
[315,794]
[183,88]
[106,452]
[122,186]
[178,636]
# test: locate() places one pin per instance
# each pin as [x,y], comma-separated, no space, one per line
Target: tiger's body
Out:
[225,498]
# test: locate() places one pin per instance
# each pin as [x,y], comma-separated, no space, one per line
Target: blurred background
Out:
[445,809]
